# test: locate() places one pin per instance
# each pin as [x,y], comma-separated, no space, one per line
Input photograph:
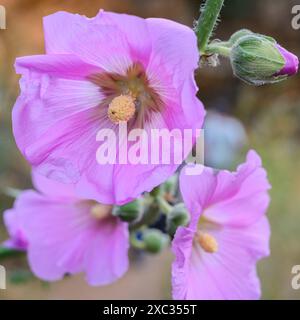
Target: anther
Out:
[207,242]
[121,108]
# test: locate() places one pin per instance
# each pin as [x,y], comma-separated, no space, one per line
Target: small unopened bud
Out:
[179,216]
[259,60]
[170,187]
[154,240]
[130,211]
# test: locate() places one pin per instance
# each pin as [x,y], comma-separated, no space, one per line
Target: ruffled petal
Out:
[247,197]
[60,28]
[197,191]
[228,198]
[93,40]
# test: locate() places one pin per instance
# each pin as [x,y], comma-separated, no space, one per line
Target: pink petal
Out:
[47,100]
[154,171]
[174,47]
[111,262]
[55,231]
[60,28]
[66,66]
[66,149]
[136,31]
[53,188]
[247,195]
[171,72]
[12,223]
[197,191]
[93,40]
[182,247]
[228,198]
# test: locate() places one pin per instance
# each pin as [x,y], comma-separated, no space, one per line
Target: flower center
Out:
[101,211]
[207,242]
[130,96]
[121,108]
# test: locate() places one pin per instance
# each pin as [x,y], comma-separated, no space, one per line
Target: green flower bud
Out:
[256,59]
[154,240]
[130,211]
[169,188]
[237,35]
[179,216]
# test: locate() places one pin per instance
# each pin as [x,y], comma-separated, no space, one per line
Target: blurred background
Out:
[240,117]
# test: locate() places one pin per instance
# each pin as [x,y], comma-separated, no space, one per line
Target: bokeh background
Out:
[240,117]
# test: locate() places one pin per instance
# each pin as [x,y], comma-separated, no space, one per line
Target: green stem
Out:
[207,22]
[218,48]
[164,206]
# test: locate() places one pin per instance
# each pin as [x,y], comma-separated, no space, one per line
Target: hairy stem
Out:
[219,49]
[207,21]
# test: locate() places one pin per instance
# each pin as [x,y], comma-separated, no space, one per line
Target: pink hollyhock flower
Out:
[96,74]
[64,234]
[228,233]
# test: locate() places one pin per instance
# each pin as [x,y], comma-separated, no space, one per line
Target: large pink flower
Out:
[216,254]
[97,73]
[64,234]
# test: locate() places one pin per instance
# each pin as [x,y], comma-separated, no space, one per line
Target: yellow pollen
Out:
[101,211]
[121,108]
[207,242]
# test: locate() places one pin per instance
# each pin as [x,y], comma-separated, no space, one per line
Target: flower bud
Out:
[130,211]
[179,216]
[169,188]
[259,60]
[237,35]
[154,240]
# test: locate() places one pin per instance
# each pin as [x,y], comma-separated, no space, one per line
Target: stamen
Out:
[121,108]
[101,211]
[207,242]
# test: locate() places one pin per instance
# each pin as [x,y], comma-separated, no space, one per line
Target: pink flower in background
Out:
[64,234]
[216,255]
[97,73]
